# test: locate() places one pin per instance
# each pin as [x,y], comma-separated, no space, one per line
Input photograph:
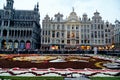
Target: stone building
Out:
[117,34]
[75,32]
[19,29]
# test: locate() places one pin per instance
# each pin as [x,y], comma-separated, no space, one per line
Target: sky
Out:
[109,9]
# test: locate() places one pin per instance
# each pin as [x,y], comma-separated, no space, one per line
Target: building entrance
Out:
[3,46]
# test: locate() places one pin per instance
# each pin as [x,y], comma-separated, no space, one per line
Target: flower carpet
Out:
[58,65]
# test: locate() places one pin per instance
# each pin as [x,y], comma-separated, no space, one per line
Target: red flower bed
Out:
[9,63]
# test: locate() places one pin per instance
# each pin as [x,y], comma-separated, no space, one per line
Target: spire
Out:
[73,9]
[97,12]
[37,6]
[9,4]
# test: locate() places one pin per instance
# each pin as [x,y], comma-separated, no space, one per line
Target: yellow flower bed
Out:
[98,64]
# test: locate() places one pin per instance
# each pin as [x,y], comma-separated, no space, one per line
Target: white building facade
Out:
[117,34]
[75,32]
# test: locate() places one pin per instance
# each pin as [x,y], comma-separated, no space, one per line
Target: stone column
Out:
[7,33]
[2,23]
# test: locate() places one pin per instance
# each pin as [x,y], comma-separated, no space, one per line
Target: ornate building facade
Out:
[19,29]
[75,32]
[117,34]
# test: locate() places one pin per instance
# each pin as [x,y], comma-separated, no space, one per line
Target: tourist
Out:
[95,50]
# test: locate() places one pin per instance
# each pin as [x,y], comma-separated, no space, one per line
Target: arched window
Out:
[15,33]
[5,23]
[27,34]
[53,34]
[28,44]
[22,33]
[58,34]
[16,44]
[22,44]
[4,33]
[43,40]
[3,46]
[30,33]
[18,33]
[10,44]
[10,32]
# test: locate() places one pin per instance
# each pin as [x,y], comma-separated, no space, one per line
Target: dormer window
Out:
[107,25]
[58,26]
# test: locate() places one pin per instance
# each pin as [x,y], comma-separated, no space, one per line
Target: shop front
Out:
[87,47]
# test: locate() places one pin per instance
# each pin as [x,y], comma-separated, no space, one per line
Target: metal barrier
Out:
[112,53]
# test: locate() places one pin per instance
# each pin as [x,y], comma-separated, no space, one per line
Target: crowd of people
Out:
[63,51]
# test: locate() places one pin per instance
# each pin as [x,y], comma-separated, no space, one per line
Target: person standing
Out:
[95,50]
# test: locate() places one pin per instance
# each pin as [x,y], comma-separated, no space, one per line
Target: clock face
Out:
[7,13]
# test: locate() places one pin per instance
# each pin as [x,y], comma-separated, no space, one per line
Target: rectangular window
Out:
[42,32]
[98,34]
[68,41]
[77,35]
[102,26]
[92,35]
[0,23]
[82,41]
[98,26]
[49,33]
[95,34]
[82,30]
[82,36]
[62,27]
[77,41]
[68,34]
[62,34]
[53,34]
[92,26]
[53,27]
[46,32]
[98,41]
[87,30]
[68,27]
[105,30]
[58,27]
[43,40]
[87,26]
[48,40]
[95,26]
[5,23]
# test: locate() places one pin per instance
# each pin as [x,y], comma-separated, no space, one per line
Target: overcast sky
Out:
[108,9]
